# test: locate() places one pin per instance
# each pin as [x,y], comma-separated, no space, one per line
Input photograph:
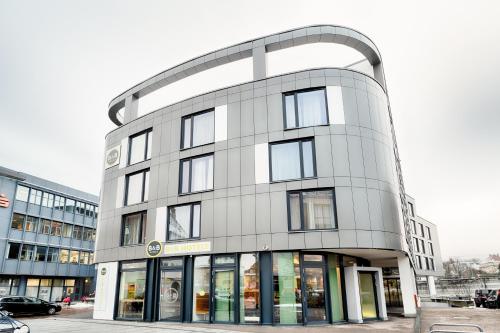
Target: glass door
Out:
[367,295]
[314,285]
[170,295]
[223,299]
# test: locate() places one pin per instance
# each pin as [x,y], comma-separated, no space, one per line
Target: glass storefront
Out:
[171,289]
[201,289]
[249,289]
[335,282]
[8,286]
[132,290]
[287,288]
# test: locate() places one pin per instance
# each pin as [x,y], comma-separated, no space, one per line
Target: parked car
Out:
[480,296]
[8,324]
[493,300]
[27,305]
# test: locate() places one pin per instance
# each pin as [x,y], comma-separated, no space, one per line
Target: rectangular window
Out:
[197,174]
[35,197]
[416,244]
[132,290]
[70,206]
[249,288]
[56,228]
[31,224]
[305,108]
[73,257]
[48,200]
[140,146]
[58,202]
[428,233]
[198,129]
[184,221]
[80,208]
[287,288]
[419,262]
[414,226]
[22,193]
[311,210]
[84,258]
[89,211]
[13,252]
[421,228]
[67,230]
[432,264]
[292,160]
[87,234]
[77,232]
[27,252]
[53,254]
[134,229]
[431,249]
[422,246]
[63,256]
[201,288]
[137,187]
[44,227]
[17,221]
[96,212]
[412,212]
[41,252]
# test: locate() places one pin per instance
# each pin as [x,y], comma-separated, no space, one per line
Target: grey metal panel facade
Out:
[240,215]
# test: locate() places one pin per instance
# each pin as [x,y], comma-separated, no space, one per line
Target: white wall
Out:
[161,224]
[262,163]
[335,105]
[104,304]
[408,287]
[220,123]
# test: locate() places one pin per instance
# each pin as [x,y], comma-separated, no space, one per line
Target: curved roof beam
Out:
[256,48]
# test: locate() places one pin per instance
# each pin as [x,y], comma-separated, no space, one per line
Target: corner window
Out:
[17,222]
[89,211]
[137,187]
[311,210]
[197,174]
[140,147]
[412,212]
[35,197]
[292,160]
[305,108]
[13,251]
[134,229]
[22,193]
[184,221]
[198,129]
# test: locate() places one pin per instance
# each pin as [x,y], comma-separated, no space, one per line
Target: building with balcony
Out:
[274,201]
[47,238]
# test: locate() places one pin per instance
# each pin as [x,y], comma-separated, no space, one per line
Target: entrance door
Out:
[368,295]
[223,299]
[314,292]
[170,295]
[393,297]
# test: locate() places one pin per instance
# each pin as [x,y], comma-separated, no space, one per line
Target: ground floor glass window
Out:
[132,290]
[249,289]
[201,289]
[335,281]
[287,288]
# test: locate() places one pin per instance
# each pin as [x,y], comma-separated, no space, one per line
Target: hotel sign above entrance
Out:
[154,248]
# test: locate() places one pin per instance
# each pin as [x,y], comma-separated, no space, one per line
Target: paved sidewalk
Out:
[488,319]
[60,324]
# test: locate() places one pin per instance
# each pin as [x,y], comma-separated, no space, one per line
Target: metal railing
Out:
[439,328]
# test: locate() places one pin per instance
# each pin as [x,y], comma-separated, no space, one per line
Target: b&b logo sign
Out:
[153,249]
[4,201]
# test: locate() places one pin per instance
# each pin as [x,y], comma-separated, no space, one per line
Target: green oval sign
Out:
[154,248]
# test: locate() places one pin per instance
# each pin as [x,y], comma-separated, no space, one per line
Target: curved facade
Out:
[274,201]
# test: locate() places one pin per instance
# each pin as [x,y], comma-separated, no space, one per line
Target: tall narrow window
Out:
[140,146]
[22,193]
[137,187]
[431,249]
[310,210]
[198,129]
[249,288]
[287,288]
[134,229]
[428,233]
[197,174]
[184,221]
[201,288]
[305,108]
[132,290]
[292,160]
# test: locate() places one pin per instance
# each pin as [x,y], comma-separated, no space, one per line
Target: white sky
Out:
[61,62]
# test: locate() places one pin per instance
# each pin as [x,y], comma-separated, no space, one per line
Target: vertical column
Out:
[432,285]
[188,289]
[408,287]
[131,109]
[23,280]
[266,287]
[151,300]
[352,294]
[259,62]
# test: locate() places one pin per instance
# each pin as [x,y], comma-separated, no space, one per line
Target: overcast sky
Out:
[61,62]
